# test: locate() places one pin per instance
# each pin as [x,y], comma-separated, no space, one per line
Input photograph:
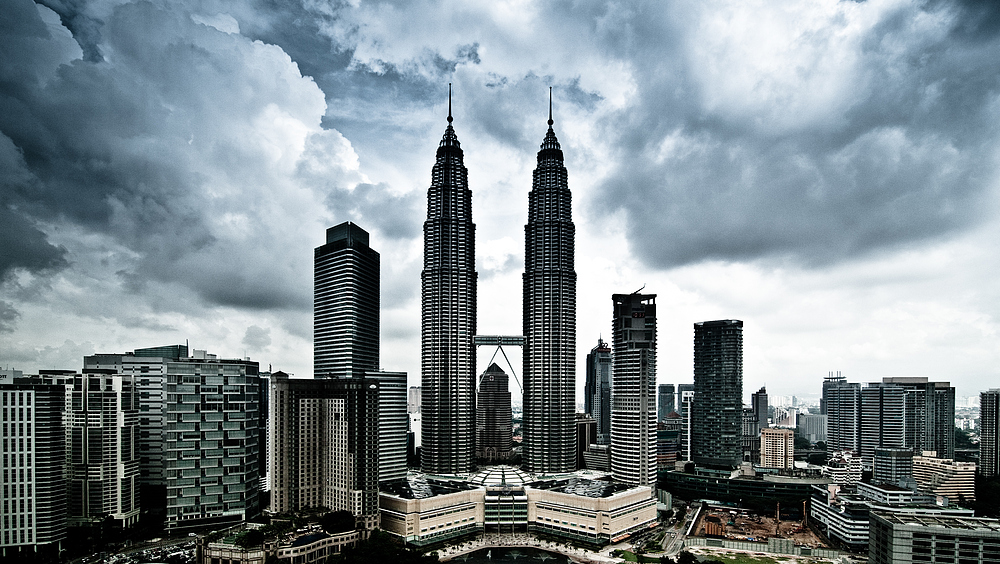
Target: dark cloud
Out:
[375,207]
[8,317]
[904,155]
[85,28]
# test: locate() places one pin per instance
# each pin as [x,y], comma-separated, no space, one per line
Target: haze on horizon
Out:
[825,171]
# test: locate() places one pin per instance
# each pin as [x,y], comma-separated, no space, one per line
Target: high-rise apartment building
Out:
[892,466]
[549,316]
[33,459]
[633,401]
[148,366]
[882,416]
[664,401]
[325,445]
[929,419]
[685,395]
[212,441]
[345,304]
[843,414]
[101,422]
[597,390]
[413,400]
[448,315]
[493,415]
[777,448]
[758,404]
[989,432]
[717,420]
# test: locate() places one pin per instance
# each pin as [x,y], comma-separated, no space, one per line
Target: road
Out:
[673,541]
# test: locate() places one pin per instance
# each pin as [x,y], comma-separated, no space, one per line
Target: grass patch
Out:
[742,559]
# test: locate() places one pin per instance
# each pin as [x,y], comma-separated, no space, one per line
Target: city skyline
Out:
[215,186]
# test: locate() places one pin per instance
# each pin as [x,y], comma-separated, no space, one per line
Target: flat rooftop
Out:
[941,521]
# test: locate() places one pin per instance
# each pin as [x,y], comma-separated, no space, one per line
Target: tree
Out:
[963,440]
[820,445]
[686,557]
[802,443]
[337,522]
[250,538]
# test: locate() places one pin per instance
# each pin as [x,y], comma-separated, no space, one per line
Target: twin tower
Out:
[448,316]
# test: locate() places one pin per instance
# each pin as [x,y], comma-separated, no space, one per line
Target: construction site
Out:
[741,524]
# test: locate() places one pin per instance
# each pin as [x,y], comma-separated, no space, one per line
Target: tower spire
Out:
[550,106]
[450,119]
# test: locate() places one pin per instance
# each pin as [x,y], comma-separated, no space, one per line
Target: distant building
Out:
[326,445]
[665,401]
[717,420]
[493,415]
[633,409]
[586,435]
[882,412]
[989,432]
[812,427]
[33,452]
[758,405]
[212,441]
[413,400]
[929,420]
[685,392]
[345,304]
[597,390]
[842,400]
[777,448]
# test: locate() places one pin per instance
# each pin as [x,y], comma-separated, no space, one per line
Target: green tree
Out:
[963,440]
[686,557]
[802,443]
[250,538]
[337,522]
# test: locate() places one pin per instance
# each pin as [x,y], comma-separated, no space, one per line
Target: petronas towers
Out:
[448,316]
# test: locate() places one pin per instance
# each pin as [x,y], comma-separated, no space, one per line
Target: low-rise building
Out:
[901,539]
[946,477]
[426,510]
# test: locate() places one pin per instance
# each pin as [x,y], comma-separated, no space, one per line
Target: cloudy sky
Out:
[825,171]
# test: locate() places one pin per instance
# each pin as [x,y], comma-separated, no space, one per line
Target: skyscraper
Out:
[101,419]
[882,416]
[989,432]
[758,403]
[929,415]
[212,441]
[33,492]
[685,392]
[717,418]
[493,415]
[665,401]
[448,315]
[843,414]
[392,424]
[326,445]
[633,409]
[345,304]
[777,448]
[597,390]
[549,316]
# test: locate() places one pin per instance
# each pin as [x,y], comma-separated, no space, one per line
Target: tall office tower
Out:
[777,448]
[929,420]
[989,432]
[882,415]
[597,390]
[212,441]
[829,380]
[687,402]
[392,424]
[148,366]
[758,403]
[664,401]
[493,415]
[716,424]
[345,304]
[549,316]
[326,444]
[633,403]
[751,436]
[448,316]
[413,400]
[843,415]
[263,416]
[101,422]
[33,454]
[684,392]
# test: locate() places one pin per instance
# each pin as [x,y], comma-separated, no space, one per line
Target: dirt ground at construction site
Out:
[753,527]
